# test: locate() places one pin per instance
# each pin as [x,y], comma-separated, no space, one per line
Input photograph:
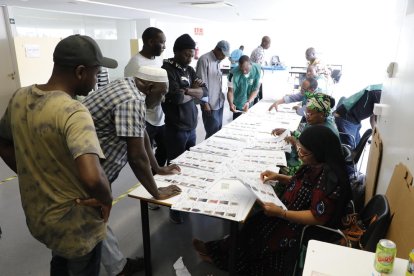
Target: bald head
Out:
[310,54]
[265,42]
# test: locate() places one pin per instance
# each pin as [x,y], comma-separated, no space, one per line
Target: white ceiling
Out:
[239,10]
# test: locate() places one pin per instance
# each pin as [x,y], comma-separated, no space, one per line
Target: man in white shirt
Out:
[150,55]
[258,56]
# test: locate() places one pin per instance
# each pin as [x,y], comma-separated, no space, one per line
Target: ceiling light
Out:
[138,9]
[209,4]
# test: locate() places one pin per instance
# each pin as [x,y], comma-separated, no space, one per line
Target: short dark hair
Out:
[243,59]
[150,33]
[313,83]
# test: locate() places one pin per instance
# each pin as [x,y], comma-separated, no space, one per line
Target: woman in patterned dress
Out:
[316,194]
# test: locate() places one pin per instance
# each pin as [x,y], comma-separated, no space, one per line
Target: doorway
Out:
[8,72]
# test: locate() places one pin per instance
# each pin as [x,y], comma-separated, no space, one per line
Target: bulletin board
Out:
[374,164]
[400,195]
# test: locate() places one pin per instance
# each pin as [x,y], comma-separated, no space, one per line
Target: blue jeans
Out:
[350,128]
[212,122]
[87,265]
[178,141]
[156,134]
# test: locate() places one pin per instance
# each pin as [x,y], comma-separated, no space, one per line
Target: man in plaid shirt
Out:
[118,111]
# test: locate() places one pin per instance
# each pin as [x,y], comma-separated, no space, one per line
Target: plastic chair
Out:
[352,156]
[357,152]
[351,137]
[377,207]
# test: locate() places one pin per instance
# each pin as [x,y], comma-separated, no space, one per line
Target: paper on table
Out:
[263,157]
[211,203]
[190,178]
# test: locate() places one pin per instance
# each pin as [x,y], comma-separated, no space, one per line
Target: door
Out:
[8,74]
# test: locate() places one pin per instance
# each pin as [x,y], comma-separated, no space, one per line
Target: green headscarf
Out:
[320,102]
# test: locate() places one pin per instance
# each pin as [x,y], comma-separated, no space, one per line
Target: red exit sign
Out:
[198,31]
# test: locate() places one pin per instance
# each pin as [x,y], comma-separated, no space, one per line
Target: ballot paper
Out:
[201,161]
[216,147]
[263,192]
[235,134]
[189,178]
[263,157]
[223,205]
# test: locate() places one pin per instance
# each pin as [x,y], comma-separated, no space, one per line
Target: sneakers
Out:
[153,206]
[176,217]
[132,266]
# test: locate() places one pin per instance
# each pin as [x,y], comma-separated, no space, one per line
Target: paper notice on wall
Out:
[32,50]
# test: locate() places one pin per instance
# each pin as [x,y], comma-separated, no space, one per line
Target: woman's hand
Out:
[268,175]
[291,140]
[278,131]
[271,210]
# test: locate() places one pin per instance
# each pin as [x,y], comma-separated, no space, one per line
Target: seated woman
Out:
[316,194]
[317,112]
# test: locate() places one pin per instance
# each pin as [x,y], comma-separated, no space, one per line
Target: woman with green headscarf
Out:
[317,112]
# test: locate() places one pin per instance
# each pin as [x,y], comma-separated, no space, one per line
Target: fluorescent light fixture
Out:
[209,4]
[139,9]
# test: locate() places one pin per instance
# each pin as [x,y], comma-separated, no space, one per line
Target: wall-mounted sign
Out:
[11,20]
[32,50]
[198,31]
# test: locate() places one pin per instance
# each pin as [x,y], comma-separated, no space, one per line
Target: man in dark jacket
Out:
[179,107]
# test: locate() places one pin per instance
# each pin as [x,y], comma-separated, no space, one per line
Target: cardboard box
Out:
[400,195]
[373,167]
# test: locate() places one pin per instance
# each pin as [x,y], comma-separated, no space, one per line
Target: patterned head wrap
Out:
[320,102]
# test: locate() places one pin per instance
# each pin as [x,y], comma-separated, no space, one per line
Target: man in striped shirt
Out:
[118,111]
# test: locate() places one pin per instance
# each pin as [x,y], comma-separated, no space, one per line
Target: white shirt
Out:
[155,116]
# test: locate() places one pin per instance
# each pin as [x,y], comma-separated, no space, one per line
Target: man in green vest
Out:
[243,84]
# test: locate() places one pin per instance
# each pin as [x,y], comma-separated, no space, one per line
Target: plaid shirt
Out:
[118,111]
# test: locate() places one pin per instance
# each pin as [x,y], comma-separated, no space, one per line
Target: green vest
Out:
[243,86]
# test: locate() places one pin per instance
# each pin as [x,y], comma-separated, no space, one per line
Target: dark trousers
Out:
[259,95]
[156,136]
[178,141]
[236,115]
[87,265]
[349,128]
[212,122]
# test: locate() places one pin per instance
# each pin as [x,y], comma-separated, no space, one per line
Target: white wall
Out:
[38,26]
[396,124]
[357,34]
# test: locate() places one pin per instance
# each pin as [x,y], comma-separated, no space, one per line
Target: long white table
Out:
[258,113]
[325,259]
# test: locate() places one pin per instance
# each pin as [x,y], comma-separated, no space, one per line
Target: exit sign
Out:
[198,31]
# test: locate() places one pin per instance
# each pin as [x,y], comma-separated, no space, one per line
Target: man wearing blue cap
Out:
[48,138]
[208,68]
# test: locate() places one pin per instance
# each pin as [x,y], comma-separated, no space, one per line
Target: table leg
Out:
[146,237]
[234,230]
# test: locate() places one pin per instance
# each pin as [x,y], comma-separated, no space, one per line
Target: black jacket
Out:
[182,116]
